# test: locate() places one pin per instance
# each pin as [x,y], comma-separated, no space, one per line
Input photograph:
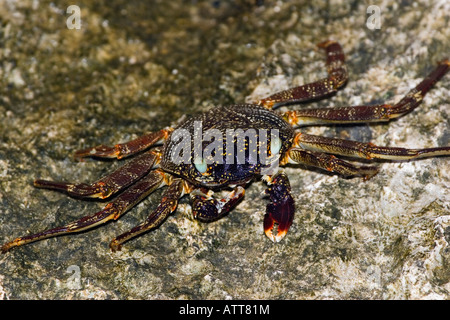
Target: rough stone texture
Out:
[137,66]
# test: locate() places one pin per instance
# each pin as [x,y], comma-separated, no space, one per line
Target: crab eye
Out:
[275,145]
[200,165]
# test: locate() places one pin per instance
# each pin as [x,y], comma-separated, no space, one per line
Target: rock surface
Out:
[138,66]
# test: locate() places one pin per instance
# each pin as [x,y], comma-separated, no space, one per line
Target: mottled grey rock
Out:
[137,66]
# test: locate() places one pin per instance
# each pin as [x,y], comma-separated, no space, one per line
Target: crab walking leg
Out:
[112,211]
[330,163]
[376,113]
[337,77]
[206,208]
[111,184]
[129,148]
[364,150]
[167,205]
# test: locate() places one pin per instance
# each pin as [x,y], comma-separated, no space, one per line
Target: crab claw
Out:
[280,211]
[206,208]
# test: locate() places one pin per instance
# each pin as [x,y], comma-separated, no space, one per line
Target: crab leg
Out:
[113,210]
[114,182]
[337,77]
[206,208]
[129,148]
[167,205]
[330,163]
[376,113]
[364,150]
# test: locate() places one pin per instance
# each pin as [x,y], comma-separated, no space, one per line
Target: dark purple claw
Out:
[280,211]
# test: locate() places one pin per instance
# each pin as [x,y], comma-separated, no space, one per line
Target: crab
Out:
[211,152]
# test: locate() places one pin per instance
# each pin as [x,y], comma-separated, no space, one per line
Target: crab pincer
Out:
[280,211]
